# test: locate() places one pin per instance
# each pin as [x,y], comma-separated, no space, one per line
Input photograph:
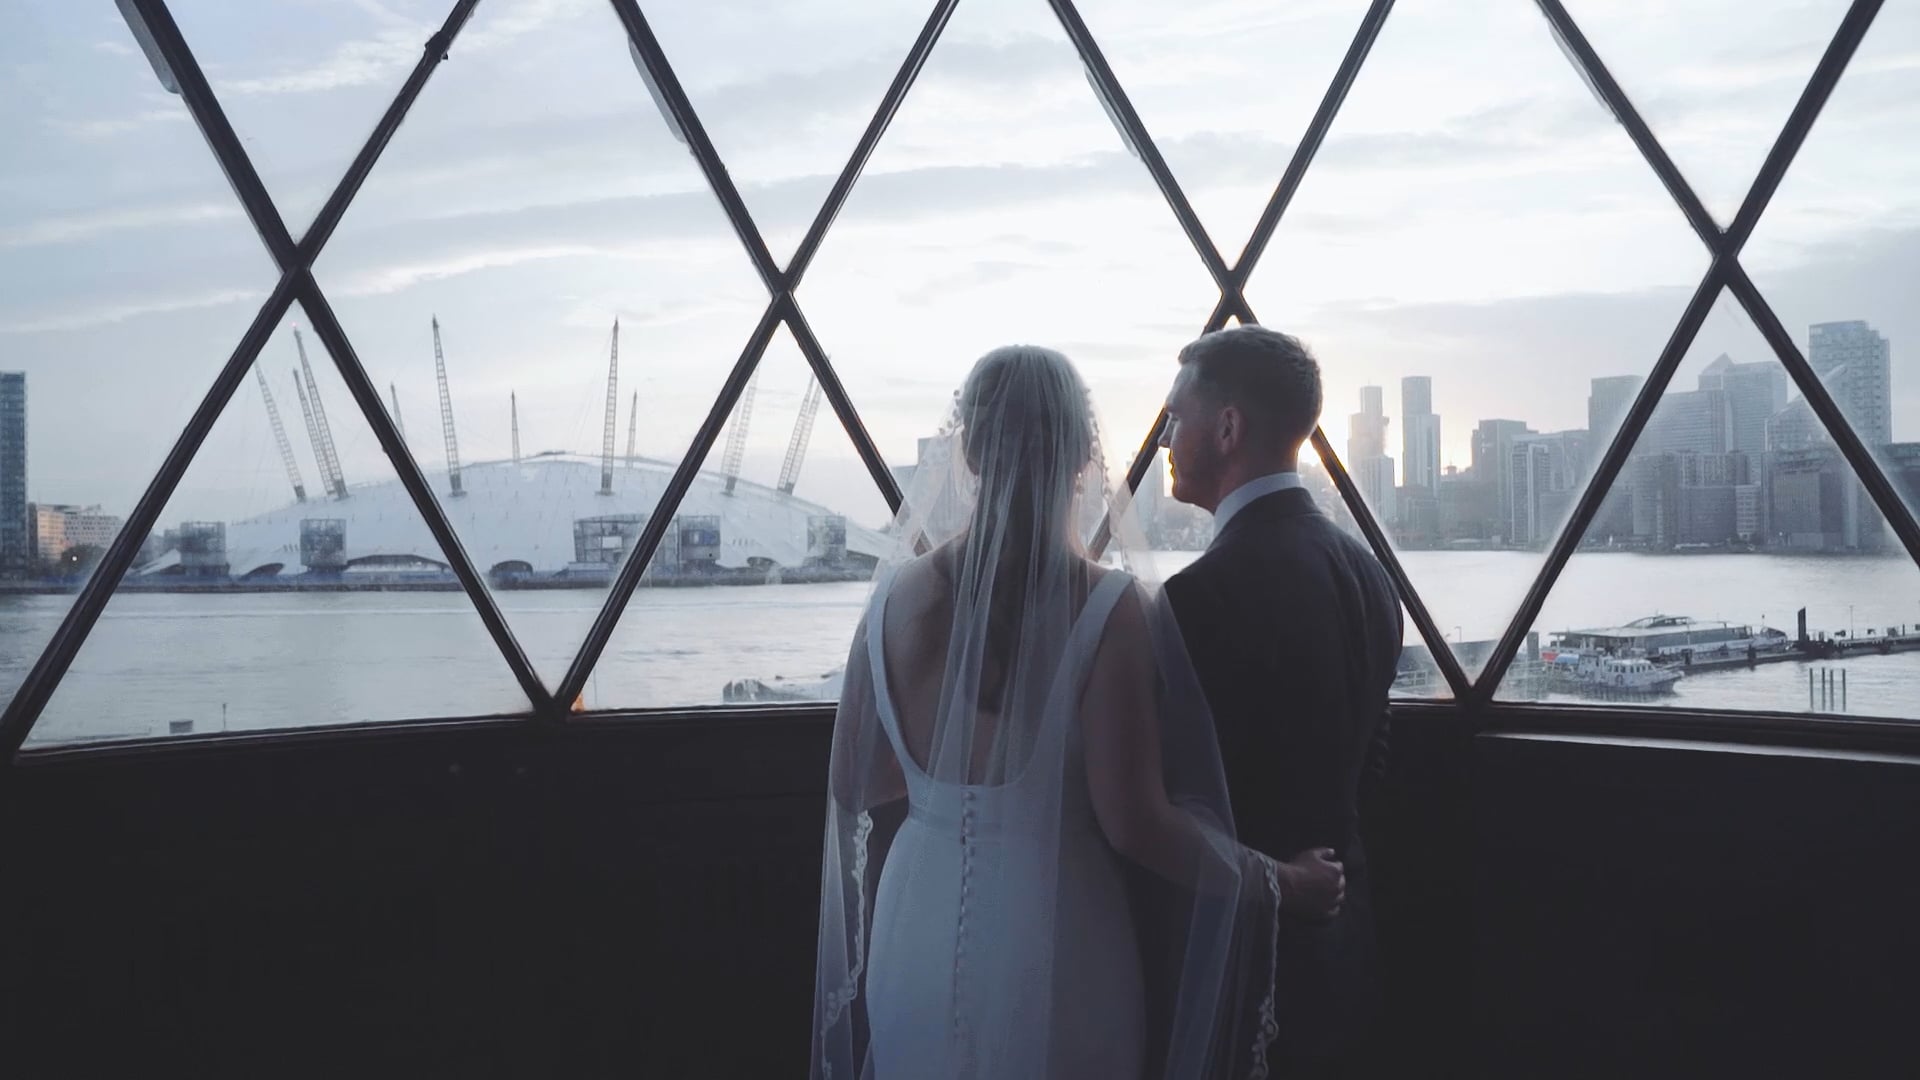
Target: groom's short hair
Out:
[1269,376]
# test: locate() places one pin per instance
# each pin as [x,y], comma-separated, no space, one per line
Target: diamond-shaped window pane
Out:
[533,198]
[767,565]
[1746,567]
[260,609]
[127,275]
[1715,79]
[1485,267]
[784,92]
[1226,91]
[1837,253]
[303,85]
[1002,207]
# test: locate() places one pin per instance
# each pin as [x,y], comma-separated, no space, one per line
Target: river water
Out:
[266,660]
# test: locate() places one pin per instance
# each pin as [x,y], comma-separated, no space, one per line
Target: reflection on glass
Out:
[127,275]
[281,589]
[1484,266]
[1835,252]
[785,93]
[1003,207]
[756,587]
[1744,569]
[1714,79]
[1223,114]
[543,287]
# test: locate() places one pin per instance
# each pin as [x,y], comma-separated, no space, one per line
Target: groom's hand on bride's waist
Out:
[1313,884]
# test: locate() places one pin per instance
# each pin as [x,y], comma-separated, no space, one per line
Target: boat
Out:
[1605,674]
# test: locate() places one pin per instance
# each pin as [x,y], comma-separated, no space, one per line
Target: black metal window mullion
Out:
[890,102]
[1600,484]
[628,579]
[1839,427]
[782,306]
[1590,68]
[294,261]
[1726,273]
[1232,301]
[45,675]
[1820,86]
[1136,135]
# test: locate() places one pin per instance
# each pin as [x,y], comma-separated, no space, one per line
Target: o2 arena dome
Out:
[549,520]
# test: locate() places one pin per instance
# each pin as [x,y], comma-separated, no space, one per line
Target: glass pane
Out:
[1419,676]
[304,84]
[1224,114]
[254,608]
[1836,252]
[532,214]
[1714,79]
[1737,577]
[127,275]
[785,91]
[1461,320]
[755,591]
[997,211]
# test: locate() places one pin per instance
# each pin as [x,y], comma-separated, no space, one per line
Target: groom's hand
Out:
[1318,884]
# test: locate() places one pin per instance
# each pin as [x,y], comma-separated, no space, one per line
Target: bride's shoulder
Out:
[921,579]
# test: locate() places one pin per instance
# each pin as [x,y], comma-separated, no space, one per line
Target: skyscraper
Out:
[1419,434]
[14,534]
[1607,403]
[1689,421]
[1755,392]
[1856,365]
[1367,457]
[1608,400]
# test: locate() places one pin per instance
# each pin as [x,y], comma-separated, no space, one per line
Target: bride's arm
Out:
[1121,733]
[863,772]
[1120,722]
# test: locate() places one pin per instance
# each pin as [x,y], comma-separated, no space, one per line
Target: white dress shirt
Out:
[1239,497]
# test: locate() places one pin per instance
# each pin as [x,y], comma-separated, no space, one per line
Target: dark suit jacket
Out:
[1294,629]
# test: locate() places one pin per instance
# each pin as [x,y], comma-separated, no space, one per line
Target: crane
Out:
[280,436]
[613,412]
[802,433]
[329,459]
[513,402]
[633,425]
[737,432]
[446,413]
[313,432]
[398,424]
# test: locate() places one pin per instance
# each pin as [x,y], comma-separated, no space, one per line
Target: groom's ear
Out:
[1230,430]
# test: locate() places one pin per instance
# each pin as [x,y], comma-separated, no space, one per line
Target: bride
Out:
[1064,897]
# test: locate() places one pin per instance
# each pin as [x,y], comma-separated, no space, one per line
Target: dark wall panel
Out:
[1647,908]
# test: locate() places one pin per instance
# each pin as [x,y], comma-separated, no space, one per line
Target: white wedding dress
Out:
[968,894]
[1000,680]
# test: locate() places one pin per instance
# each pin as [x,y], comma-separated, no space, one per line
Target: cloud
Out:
[77,227]
[111,127]
[99,314]
[971,276]
[397,277]
[116,48]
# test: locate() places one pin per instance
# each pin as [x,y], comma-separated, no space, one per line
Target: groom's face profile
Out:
[1199,436]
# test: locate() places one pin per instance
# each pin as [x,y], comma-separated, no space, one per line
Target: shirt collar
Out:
[1238,499]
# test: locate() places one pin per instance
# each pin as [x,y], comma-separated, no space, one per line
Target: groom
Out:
[1294,630]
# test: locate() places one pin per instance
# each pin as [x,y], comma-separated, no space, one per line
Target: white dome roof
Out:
[526,512]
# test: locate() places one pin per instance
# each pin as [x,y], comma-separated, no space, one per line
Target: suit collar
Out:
[1288,503]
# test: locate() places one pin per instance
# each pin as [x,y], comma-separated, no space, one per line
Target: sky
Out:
[1475,215]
